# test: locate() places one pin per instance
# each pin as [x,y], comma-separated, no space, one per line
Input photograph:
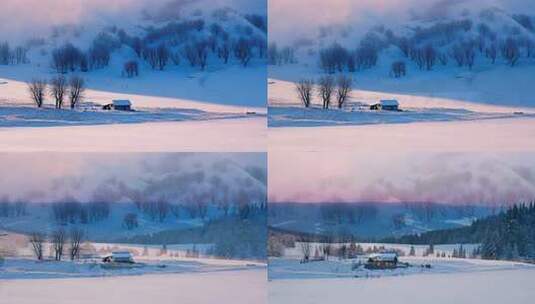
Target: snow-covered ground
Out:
[448,280]
[491,287]
[497,135]
[233,135]
[236,286]
[419,101]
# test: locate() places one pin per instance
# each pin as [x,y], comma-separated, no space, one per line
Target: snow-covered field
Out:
[497,135]
[236,286]
[233,135]
[491,287]
[448,280]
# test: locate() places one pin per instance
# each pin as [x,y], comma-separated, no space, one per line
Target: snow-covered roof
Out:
[121,254]
[389,102]
[122,102]
[387,256]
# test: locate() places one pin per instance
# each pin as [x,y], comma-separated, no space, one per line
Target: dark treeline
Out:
[156,211]
[13,209]
[358,213]
[232,237]
[191,41]
[83,213]
[12,55]
[460,42]
[507,235]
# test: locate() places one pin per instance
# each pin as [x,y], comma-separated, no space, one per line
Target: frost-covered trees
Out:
[399,69]
[304,90]
[306,249]
[58,87]
[333,58]
[131,68]
[9,55]
[464,54]
[491,52]
[130,221]
[285,55]
[58,239]
[343,88]
[37,240]
[162,56]
[429,56]
[5,53]
[157,57]
[67,58]
[510,51]
[76,90]
[243,51]
[201,53]
[37,88]
[326,88]
[76,238]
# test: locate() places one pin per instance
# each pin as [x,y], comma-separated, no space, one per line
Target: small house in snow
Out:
[122,105]
[119,257]
[388,260]
[119,105]
[389,105]
[386,105]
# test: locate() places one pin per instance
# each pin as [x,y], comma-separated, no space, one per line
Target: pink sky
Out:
[451,178]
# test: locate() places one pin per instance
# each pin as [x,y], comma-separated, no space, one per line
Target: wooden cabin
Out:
[379,261]
[119,257]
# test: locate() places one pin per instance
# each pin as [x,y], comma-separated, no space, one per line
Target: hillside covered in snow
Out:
[443,61]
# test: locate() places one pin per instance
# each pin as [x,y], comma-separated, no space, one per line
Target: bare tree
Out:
[510,51]
[430,56]
[37,239]
[304,89]
[162,207]
[326,249]
[243,51]
[201,51]
[58,86]
[162,53]
[76,90]
[343,88]
[399,69]
[130,221]
[223,52]
[37,90]
[305,247]
[76,239]
[58,242]
[492,52]
[326,87]
[131,68]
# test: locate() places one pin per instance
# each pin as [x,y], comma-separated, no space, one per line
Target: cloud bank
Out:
[175,177]
[293,19]
[392,177]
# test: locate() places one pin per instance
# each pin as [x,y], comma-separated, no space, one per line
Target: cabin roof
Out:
[389,102]
[122,102]
[387,256]
[121,254]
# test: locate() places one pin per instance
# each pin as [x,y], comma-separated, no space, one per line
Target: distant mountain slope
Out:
[175,49]
[372,220]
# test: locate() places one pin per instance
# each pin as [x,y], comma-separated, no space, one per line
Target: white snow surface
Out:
[491,287]
[241,287]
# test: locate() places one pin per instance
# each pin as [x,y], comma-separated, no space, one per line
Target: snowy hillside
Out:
[198,61]
[372,220]
[469,62]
